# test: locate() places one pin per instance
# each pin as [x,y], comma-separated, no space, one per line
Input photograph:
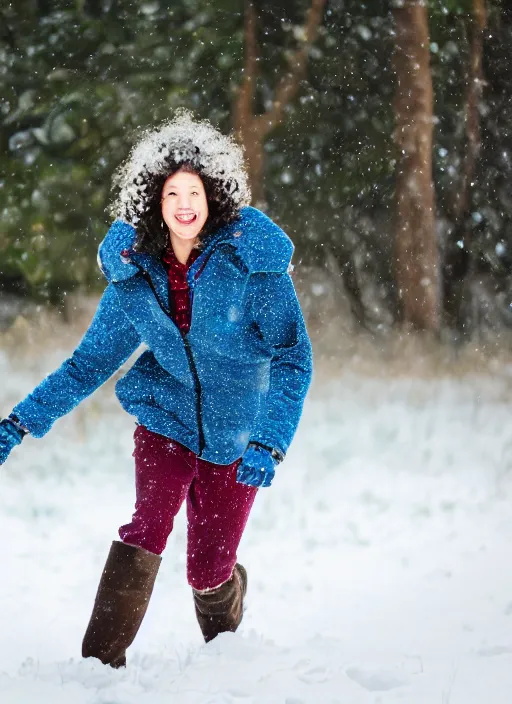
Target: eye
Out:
[195,193]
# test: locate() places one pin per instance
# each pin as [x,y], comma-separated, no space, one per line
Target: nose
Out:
[184,201]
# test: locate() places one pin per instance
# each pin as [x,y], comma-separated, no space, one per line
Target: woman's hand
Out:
[10,436]
[257,467]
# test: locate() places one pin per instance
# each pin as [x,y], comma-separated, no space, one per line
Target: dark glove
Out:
[257,467]
[11,435]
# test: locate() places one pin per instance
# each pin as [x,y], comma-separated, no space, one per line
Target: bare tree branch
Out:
[252,129]
[289,83]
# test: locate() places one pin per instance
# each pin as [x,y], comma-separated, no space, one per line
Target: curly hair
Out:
[152,232]
[179,144]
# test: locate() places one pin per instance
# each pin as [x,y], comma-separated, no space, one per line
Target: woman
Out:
[200,279]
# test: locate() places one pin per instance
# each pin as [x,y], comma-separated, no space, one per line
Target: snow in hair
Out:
[182,140]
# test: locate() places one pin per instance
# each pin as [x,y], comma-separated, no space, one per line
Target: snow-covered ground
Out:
[380,561]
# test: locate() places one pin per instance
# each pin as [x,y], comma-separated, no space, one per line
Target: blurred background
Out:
[376,134]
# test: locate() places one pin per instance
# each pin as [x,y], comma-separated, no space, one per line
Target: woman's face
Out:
[184,205]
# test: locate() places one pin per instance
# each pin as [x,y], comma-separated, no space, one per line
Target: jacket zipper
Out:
[199,393]
[191,361]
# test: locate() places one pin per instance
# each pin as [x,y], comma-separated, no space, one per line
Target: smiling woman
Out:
[186,146]
[202,280]
[184,211]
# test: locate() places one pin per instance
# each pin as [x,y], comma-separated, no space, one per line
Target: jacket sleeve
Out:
[106,345]
[277,314]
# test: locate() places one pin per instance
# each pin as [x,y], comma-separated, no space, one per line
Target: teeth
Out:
[185,218]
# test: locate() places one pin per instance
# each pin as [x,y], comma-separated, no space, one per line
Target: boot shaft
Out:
[221,609]
[121,602]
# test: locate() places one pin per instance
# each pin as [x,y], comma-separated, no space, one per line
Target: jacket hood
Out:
[181,140]
[259,243]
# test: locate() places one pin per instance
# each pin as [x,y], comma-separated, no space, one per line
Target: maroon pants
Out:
[167,473]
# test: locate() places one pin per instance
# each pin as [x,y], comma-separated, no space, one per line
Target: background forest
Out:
[376,133]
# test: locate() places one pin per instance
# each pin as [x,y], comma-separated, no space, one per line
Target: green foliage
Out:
[78,79]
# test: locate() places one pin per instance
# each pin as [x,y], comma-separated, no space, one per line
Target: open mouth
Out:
[187,219]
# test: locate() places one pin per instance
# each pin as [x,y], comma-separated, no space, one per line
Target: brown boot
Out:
[221,609]
[121,602]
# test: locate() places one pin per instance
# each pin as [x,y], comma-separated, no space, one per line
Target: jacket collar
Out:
[258,242]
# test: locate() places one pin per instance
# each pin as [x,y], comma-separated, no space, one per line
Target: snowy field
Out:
[380,561]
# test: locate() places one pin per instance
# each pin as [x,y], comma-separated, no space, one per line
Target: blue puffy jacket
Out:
[240,374]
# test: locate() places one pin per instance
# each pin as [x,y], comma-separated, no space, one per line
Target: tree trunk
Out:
[417,254]
[248,130]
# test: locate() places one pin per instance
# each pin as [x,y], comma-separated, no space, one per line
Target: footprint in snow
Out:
[375,680]
[239,693]
[490,651]
[310,673]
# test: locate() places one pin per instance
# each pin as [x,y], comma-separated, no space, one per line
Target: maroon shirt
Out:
[179,298]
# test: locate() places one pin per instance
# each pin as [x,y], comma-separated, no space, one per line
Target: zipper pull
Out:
[125,255]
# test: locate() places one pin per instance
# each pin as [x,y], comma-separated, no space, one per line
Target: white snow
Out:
[379,562]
